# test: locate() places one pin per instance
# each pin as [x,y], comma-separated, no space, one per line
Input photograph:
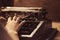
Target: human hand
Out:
[13,26]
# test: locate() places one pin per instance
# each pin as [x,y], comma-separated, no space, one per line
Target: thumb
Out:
[21,24]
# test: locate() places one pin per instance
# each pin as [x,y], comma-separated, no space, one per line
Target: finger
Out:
[9,19]
[17,20]
[14,18]
[21,24]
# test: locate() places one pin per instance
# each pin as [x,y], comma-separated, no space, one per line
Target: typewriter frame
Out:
[25,9]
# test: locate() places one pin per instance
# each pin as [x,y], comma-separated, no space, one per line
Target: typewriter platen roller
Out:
[36,27]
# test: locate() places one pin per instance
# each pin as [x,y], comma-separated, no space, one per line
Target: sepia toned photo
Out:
[29,19]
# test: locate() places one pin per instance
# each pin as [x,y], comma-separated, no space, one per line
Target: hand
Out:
[13,26]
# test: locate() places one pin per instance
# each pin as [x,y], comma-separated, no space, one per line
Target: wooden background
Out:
[52,6]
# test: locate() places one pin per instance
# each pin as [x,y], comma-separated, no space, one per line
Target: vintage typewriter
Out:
[36,27]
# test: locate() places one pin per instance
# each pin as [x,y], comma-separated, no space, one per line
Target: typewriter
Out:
[36,27]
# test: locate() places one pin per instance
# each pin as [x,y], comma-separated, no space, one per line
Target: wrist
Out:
[10,30]
[13,34]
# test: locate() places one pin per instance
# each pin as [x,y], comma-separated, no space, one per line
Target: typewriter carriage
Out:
[26,13]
